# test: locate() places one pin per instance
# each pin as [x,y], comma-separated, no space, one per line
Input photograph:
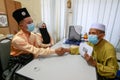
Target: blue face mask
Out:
[93,39]
[30,27]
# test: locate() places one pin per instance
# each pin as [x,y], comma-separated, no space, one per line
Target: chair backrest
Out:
[75,33]
[4,52]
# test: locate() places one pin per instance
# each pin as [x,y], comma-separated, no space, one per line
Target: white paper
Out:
[85,48]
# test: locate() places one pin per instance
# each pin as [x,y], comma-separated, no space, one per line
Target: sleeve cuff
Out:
[74,50]
[52,51]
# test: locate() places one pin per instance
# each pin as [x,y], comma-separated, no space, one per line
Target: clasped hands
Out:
[60,51]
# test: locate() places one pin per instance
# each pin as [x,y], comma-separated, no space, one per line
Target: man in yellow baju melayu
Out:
[104,54]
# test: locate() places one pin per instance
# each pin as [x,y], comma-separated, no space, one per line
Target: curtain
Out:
[86,12]
[53,14]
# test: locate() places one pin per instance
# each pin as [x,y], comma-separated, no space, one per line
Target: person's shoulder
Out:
[108,44]
[18,40]
[36,35]
[18,37]
[109,49]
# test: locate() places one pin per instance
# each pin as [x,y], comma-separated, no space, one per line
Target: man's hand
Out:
[90,60]
[60,51]
[66,50]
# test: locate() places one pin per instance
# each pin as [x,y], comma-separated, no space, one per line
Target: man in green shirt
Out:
[104,54]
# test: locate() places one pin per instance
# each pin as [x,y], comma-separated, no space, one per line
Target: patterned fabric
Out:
[29,44]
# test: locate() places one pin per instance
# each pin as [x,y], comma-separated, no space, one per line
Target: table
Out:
[53,67]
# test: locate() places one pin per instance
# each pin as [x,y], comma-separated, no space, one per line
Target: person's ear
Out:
[102,35]
[21,25]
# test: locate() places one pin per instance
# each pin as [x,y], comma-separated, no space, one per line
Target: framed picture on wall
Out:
[3,20]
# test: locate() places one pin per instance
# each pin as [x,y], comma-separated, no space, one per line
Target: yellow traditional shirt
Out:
[32,44]
[105,55]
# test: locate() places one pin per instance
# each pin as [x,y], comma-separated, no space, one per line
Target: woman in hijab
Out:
[47,39]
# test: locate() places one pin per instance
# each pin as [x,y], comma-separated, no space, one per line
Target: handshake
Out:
[60,51]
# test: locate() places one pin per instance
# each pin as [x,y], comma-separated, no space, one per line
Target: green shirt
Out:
[105,55]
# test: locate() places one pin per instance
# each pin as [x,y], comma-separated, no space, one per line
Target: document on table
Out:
[85,48]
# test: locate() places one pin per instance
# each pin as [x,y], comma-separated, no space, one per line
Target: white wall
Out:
[102,11]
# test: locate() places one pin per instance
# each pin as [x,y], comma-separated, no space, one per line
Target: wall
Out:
[102,11]
[8,6]
[33,6]
[3,9]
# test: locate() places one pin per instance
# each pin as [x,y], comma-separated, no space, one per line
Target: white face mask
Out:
[30,27]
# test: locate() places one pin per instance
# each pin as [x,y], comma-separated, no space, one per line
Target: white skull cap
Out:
[98,26]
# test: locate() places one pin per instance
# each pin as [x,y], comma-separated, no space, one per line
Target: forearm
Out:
[32,49]
[107,71]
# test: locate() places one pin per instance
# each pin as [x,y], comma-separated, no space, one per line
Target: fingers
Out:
[66,50]
[90,60]
[59,51]
[87,57]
